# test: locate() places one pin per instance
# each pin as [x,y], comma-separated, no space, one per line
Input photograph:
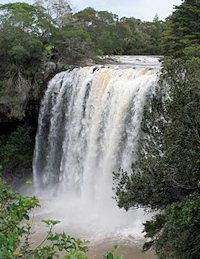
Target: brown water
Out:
[129,251]
[128,247]
[99,249]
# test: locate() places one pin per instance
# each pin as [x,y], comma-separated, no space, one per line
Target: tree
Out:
[182,28]
[59,10]
[105,42]
[25,18]
[17,148]
[31,36]
[72,46]
[99,25]
[24,32]
[143,37]
[179,237]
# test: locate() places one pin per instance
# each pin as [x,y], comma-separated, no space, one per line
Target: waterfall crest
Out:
[89,126]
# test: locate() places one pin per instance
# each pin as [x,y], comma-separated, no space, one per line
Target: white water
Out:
[89,126]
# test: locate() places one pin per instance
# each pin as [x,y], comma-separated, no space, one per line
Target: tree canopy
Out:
[183,29]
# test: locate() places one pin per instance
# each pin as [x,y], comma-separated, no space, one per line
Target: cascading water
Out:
[89,126]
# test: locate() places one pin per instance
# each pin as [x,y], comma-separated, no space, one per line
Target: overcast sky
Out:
[141,9]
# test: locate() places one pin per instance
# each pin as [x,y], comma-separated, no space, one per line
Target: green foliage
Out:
[124,36]
[176,233]
[24,30]
[192,51]
[16,232]
[110,254]
[142,37]
[72,45]
[182,28]
[17,148]
[14,209]
[26,33]
[19,53]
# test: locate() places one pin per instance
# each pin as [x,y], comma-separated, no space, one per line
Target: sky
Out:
[140,9]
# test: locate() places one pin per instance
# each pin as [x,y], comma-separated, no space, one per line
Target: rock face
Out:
[14,99]
[15,111]
[20,99]
[50,66]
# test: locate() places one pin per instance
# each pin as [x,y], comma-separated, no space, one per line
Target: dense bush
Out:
[176,233]
[17,148]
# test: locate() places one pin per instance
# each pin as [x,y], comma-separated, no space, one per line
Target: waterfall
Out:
[89,126]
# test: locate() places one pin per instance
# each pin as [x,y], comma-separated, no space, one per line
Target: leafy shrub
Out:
[17,148]
[15,231]
[19,53]
[176,233]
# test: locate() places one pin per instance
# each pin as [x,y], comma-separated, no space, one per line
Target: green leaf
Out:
[110,255]
[50,222]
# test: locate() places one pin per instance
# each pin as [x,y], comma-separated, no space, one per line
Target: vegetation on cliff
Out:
[166,176]
[182,36]
[17,148]
[34,44]
[39,40]
[36,41]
